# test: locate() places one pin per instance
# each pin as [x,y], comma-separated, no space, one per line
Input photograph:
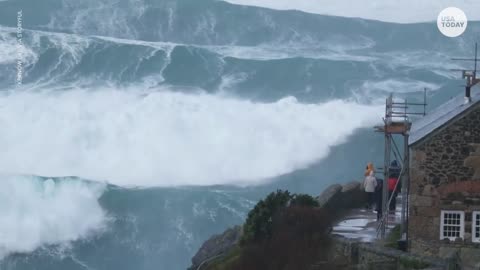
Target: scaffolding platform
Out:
[394,128]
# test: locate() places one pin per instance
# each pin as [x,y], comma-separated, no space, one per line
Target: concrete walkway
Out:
[362,224]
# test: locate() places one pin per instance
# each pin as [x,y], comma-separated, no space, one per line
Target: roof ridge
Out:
[440,116]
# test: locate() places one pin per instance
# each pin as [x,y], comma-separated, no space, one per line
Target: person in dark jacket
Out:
[395,169]
[379,198]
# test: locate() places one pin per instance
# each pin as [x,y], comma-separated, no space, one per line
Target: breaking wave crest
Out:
[38,212]
[163,138]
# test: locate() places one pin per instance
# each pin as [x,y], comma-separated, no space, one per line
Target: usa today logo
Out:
[452,22]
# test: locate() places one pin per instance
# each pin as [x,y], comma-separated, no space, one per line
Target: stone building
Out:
[444,196]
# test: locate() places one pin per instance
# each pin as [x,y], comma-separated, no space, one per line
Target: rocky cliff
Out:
[217,245]
[336,198]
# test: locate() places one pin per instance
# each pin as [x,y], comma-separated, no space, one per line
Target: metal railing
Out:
[209,260]
[385,212]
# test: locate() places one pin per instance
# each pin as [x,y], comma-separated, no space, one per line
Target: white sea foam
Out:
[274,51]
[36,212]
[167,46]
[398,86]
[339,49]
[407,11]
[376,90]
[423,60]
[165,139]
[105,16]
[11,51]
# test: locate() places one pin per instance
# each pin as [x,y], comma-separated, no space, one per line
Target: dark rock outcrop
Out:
[348,196]
[329,195]
[351,187]
[352,196]
[217,245]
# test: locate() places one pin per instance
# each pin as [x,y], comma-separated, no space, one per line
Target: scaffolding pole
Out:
[386,171]
[404,181]
[397,122]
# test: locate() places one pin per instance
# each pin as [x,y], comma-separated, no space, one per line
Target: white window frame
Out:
[462,224]
[474,225]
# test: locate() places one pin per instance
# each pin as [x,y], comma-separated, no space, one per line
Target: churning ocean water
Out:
[142,127]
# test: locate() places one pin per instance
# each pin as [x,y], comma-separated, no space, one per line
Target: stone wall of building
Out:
[370,256]
[445,175]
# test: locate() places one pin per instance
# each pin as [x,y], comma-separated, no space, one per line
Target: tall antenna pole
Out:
[470,76]
[476,53]
[424,101]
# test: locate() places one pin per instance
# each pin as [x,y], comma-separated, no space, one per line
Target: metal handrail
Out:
[386,210]
[210,259]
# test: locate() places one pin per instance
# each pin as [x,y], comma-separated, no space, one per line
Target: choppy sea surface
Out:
[143,127]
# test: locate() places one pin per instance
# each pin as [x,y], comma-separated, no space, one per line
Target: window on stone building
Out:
[476,227]
[452,225]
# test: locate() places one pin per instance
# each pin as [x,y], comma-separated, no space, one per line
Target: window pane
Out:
[453,224]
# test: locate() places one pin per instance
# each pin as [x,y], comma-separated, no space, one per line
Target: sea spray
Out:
[133,139]
[37,212]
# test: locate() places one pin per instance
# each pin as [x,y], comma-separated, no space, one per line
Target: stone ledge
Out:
[217,245]
[356,252]
[345,196]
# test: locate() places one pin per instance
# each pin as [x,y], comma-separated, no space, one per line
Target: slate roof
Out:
[441,116]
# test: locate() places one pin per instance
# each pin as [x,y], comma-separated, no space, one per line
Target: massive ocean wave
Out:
[142,127]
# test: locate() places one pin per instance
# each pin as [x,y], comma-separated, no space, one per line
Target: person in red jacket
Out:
[393,183]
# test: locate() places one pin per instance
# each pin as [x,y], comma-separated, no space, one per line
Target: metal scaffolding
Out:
[397,124]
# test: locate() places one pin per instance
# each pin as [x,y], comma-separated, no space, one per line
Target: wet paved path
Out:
[361,224]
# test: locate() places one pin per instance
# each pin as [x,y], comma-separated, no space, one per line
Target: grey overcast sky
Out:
[401,11]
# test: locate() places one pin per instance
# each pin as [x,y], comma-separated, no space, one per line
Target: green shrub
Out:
[413,264]
[259,220]
[299,238]
[393,237]
[258,225]
[282,232]
[304,200]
